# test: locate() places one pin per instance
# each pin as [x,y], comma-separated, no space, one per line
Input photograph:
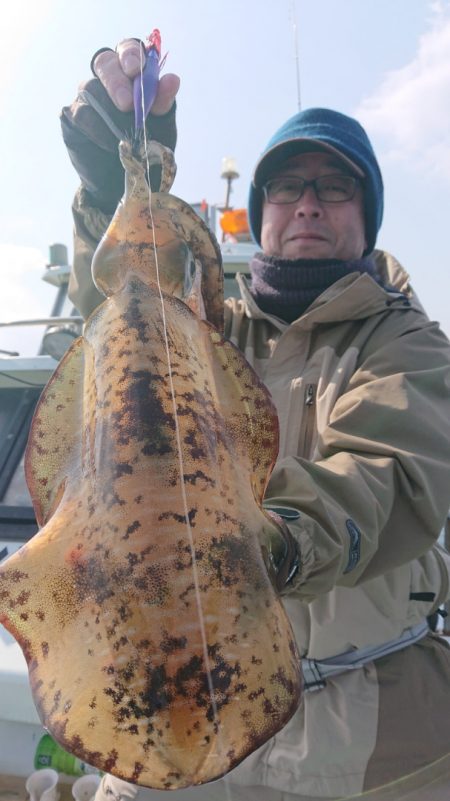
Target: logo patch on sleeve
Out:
[354,553]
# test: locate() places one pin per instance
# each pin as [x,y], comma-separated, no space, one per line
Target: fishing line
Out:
[200,614]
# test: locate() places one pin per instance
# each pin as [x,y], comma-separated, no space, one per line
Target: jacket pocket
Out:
[430,583]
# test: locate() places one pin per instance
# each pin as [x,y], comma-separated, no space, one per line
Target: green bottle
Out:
[50,755]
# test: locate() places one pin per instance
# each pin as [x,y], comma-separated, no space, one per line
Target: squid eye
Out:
[189,272]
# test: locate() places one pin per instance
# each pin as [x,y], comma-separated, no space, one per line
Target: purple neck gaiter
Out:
[286,287]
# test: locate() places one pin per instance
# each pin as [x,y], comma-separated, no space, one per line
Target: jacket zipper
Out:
[308,421]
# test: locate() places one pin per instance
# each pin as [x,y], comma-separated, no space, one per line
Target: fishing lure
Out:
[145,85]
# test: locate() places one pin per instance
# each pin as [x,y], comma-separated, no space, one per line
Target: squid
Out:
[157,647]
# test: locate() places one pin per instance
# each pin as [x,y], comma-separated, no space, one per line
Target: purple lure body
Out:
[147,84]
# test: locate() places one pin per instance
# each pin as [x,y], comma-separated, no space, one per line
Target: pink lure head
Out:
[154,41]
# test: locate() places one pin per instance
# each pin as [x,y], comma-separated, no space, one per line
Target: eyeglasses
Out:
[328,188]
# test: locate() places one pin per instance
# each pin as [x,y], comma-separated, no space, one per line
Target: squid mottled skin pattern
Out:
[157,648]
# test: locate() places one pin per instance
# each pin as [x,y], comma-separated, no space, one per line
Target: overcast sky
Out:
[385,61]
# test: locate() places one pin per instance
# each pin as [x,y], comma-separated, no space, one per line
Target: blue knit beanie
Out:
[317,129]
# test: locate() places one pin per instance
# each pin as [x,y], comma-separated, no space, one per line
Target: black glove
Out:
[93,147]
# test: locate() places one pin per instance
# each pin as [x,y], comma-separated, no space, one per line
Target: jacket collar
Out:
[353,297]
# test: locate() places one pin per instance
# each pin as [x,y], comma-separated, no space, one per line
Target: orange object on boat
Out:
[235,221]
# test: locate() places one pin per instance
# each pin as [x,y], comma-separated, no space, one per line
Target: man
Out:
[360,378]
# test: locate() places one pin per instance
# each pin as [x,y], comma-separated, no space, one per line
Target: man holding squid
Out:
[361,381]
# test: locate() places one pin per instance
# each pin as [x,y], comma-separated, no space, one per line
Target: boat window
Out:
[17,520]
[17,492]
[16,410]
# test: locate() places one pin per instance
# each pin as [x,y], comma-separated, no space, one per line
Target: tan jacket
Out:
[362,385]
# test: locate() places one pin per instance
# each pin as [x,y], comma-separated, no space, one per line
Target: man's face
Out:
[309,228]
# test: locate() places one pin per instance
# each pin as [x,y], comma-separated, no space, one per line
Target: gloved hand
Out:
[91,143]
[280,551]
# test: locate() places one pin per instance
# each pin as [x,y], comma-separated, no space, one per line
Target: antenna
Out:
[296,53]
